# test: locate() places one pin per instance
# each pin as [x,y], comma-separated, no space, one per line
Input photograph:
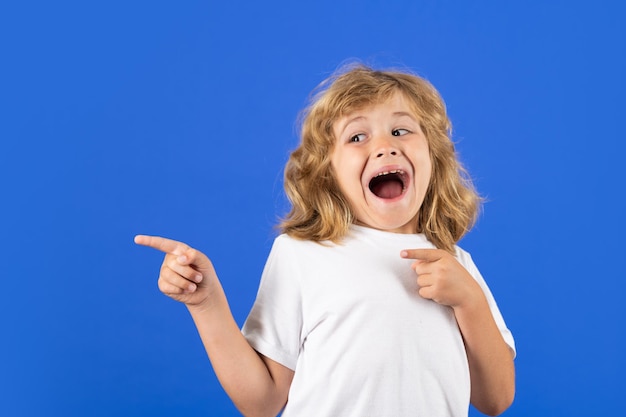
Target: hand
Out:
[186,274]
[442,278]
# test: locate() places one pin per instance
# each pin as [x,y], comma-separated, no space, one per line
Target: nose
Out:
[385,146]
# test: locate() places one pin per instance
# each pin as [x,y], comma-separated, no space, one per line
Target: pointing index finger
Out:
[428,255]
[163,244]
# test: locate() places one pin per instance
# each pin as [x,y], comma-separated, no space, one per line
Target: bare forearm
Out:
[443,279]
[239,368]
[490,359]
[257,385]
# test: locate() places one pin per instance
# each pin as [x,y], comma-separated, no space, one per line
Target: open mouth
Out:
[389,184]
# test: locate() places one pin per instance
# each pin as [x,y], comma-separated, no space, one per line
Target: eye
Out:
[357,138]
[400,132]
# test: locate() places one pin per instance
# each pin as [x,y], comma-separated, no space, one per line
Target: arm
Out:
[443,279]
[257,385]
[492,371]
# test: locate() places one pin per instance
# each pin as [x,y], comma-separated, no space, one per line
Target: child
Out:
[366,306]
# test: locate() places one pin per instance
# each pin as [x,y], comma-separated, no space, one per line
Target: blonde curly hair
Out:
[319,210]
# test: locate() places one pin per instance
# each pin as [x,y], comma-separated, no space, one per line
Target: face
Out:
[382,164]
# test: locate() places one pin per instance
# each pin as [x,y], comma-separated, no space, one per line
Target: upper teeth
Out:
[395,171]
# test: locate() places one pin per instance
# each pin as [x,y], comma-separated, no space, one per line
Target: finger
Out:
[171,289]
[424,280]
[182,268]
[428,255]
[426,292]
[162,244]
[170,279]
[197,260]
[190,256]
[422,267]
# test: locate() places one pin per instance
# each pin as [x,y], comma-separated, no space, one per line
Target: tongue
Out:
[388,189]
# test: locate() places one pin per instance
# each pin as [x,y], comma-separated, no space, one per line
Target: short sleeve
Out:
[469,264]
[274,325]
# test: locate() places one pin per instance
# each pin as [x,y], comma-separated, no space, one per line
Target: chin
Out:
[405,228]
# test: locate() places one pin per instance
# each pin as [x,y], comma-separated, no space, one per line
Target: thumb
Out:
[197,260]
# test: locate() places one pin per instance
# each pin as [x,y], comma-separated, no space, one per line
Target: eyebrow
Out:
[403,113]
[352,120]
[357,118]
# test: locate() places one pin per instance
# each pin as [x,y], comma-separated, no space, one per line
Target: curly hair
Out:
[320,212]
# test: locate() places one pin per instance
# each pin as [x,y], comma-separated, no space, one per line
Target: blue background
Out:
[118,118]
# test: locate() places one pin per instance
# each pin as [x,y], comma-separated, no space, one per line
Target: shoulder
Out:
[286,242]
[287,247]
[464,258]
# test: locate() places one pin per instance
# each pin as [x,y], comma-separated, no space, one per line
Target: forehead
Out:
[396,104]
[392,98]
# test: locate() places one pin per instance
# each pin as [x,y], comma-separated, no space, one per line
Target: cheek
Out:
[428,163]
[336,177]
[340,169]
[424,176]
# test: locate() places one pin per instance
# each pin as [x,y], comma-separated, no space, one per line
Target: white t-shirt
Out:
[348,320]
